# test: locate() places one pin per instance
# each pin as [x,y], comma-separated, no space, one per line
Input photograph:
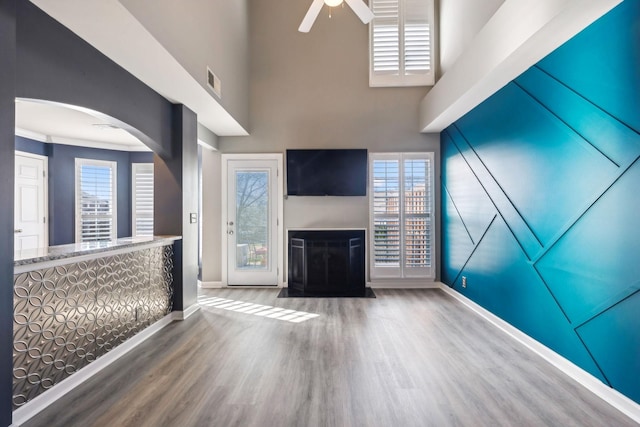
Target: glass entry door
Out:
[252,222]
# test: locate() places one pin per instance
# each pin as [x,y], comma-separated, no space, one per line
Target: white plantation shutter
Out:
[417,214]
[142,199]
[417,37]
[385,36]
[386,212]
[401,43]
[95,200]
[402,215]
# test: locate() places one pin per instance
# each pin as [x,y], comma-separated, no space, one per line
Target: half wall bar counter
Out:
[74,303]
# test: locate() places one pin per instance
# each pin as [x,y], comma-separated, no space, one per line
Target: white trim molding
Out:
[403,284]
[210,284]
[591,383]
[185,314]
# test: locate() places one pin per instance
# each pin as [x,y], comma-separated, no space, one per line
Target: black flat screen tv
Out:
[327,172]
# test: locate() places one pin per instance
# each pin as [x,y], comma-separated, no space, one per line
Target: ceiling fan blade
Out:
[310,17]
[361,9]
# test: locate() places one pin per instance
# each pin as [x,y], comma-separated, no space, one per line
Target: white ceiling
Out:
[58,123]
[132,47]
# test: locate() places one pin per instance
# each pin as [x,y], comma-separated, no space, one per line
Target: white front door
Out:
[30,209]
[251,223]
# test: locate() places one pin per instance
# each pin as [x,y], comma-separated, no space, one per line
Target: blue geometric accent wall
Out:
[541,201]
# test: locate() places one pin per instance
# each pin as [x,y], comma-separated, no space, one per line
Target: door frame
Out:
[45,190]
[280,206]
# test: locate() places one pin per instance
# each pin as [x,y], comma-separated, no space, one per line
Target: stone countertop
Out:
[51,253]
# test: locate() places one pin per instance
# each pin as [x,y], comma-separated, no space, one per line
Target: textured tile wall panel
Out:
[66,317]
[557,152]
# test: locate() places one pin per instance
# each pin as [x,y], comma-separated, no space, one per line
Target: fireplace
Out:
[327,262]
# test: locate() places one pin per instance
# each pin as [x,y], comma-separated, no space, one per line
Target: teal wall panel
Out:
[595,264]
[499,268]
[547,171]
[615,342]
[471,202]
[515,136]
[602,62]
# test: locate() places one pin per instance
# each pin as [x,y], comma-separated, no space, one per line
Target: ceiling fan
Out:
[358,6]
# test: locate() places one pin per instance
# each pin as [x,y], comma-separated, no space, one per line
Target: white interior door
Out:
[30,205]
[252,238]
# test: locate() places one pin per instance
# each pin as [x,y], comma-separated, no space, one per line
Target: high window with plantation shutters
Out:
[401,43]
[142,199]
[95,200]
[402,215]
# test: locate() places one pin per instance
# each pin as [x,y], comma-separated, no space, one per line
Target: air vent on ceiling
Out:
[214,83]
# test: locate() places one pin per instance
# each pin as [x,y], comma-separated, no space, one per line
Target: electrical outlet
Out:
[464,281]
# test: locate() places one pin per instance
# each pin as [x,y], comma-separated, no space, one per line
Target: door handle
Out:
[18,230]
[230,231]
[230,222]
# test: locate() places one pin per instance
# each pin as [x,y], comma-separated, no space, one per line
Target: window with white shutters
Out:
[142,199]
[401,43]
[402,215]
[95,200]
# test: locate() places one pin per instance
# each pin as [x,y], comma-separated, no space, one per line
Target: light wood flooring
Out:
[406,358]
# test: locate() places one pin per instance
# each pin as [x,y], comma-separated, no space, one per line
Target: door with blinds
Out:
[402,240]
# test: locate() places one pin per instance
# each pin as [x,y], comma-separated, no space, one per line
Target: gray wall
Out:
[198,34]
[7,164]
[211,196]
[311,91]
[175,197]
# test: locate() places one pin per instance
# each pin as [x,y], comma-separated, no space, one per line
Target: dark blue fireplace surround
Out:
[326,263]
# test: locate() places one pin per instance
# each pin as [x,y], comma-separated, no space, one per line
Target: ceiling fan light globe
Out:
[332,3]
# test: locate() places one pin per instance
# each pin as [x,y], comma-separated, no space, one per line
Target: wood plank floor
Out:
[406,358]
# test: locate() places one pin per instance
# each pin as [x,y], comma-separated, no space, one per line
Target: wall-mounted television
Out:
[327,172]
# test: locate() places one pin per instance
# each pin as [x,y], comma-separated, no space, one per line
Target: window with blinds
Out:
[401,43]
[95,200]
[142,199]
[401,215]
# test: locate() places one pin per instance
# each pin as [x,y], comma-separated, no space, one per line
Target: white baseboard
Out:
[404,284]
[591,383]
[182,315]
[210,285]
[42,401]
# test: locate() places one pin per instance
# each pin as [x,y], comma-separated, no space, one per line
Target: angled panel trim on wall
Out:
[599,128]
[595,264]
[613,339]
[515,221]
[537,160]
[560,145]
